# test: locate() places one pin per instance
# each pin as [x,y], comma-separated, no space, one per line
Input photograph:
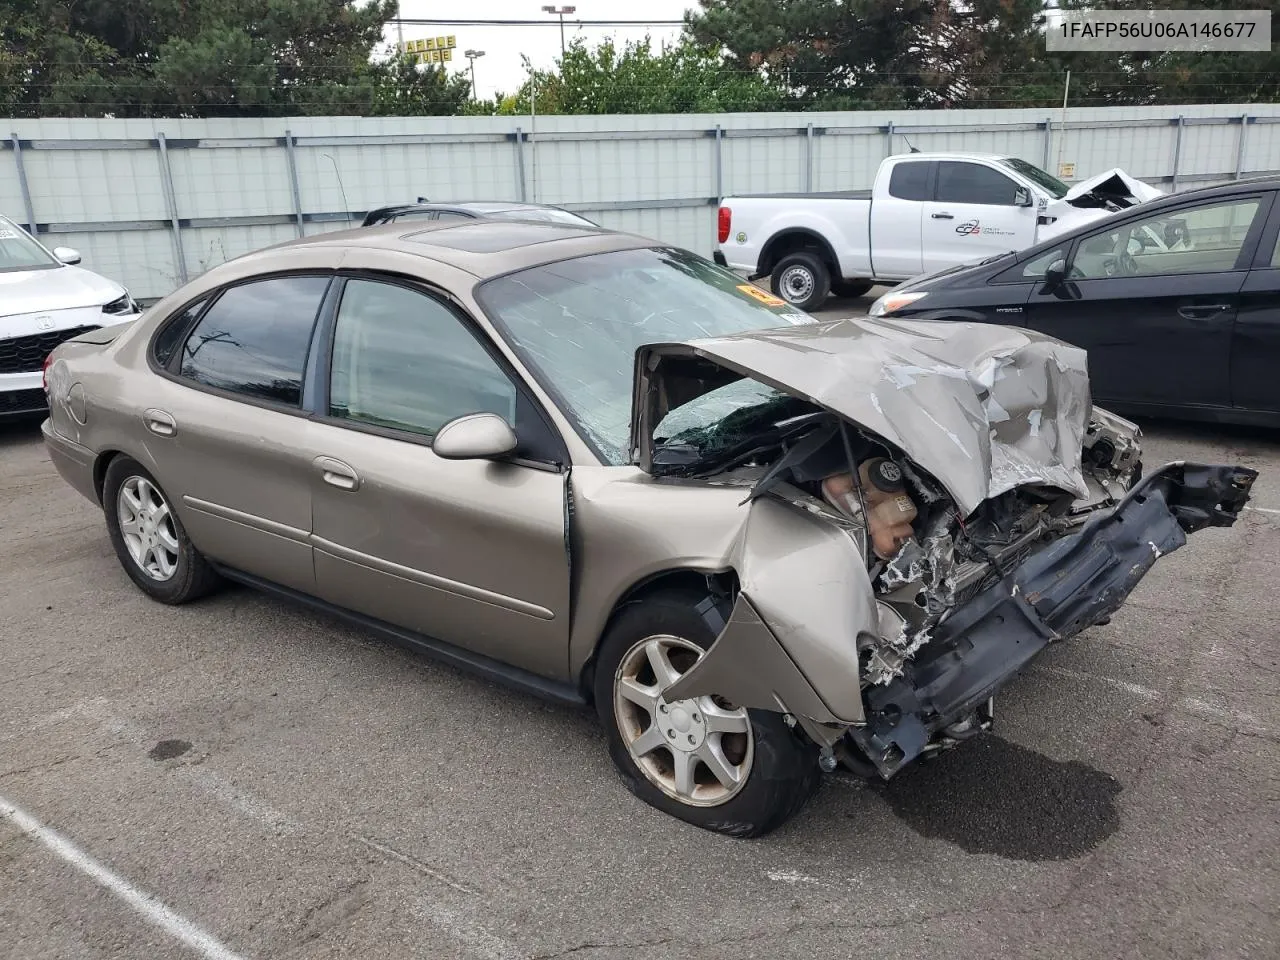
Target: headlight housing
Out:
[892,301]
[121,306]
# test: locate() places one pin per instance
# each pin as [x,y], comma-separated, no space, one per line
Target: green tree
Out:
[210,58]
[686,78]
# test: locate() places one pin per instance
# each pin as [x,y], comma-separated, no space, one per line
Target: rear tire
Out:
[771,772]
[149,539]
[851,288]
[801,279]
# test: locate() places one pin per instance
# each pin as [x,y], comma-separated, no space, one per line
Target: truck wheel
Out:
[851,288]
[801,279]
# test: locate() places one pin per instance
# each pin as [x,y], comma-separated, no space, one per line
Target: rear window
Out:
[910,181]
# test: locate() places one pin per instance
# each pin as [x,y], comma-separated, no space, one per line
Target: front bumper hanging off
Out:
[1070,585]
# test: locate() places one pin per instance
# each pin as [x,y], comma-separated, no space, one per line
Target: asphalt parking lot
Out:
[252,780]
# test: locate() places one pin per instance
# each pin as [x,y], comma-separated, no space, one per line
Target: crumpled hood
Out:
[982,408]
[62,288]
[1093,199]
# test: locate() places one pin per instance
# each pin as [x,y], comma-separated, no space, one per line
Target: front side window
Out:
[19,251]
[1205,239]
[1035,268]
[578,323]
[973,183]
[254,340]
[404,361]
[910,180]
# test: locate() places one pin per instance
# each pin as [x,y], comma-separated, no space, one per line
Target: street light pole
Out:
[560,12]
[472,55]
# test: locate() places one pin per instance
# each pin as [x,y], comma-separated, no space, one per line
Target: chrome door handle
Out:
[160,423]
[337,474]
[942,216]
[1202,311]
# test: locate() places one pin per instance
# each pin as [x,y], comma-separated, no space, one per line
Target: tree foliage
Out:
[209,58]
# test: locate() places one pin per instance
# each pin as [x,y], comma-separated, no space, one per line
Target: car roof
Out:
[483,248]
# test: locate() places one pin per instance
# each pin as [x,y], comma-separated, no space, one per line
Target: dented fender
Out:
[791,641]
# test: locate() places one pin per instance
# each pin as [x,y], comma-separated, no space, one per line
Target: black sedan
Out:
[1177,302]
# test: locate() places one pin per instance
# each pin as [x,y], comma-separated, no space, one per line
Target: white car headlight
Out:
[895,301]
[121,306]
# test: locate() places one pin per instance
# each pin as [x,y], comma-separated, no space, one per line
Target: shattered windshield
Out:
[578,324]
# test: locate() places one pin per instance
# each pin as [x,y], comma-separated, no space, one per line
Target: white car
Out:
[926,212]
[45,299]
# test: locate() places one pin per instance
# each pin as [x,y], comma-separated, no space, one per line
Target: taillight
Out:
[44,372]
[725,224]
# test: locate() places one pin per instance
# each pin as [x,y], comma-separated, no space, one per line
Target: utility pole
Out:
[560,12]
[472,56]
[399,31]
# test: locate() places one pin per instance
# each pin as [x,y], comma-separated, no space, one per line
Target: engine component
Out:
[890,512]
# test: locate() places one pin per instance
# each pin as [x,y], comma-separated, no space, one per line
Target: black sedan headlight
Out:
[121,306]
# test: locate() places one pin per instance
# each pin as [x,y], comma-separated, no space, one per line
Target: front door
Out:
[976,213]
[1255,348]
[1154,299]
[470,552]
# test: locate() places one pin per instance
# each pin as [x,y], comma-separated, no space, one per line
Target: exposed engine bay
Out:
[923,557]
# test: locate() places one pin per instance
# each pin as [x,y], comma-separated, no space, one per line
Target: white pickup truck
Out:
[926,212]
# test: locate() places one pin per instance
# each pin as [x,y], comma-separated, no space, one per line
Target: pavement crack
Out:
[629,945]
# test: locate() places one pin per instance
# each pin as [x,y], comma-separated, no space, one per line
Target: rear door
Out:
[226,431]
[471,552]
[1154,300]
[896,214]
[1255,346]
[975,213]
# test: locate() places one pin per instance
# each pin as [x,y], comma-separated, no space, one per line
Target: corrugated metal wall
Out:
[116,188]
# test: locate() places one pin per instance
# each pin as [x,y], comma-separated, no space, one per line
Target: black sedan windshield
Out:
[578,324]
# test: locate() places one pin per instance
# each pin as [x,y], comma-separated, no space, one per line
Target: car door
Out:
[976,212]
[472,552]
[896,241]
[1255,344]
[226,432]
[1156,317]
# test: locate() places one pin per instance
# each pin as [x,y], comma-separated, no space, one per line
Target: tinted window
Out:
[1275,254]
[973,183]
[171,333]
[1035,268]
[254,339]
[1204,239]
[450,215]
[404,361]
[910,181]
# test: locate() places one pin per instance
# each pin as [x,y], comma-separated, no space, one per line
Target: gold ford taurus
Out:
[611,472]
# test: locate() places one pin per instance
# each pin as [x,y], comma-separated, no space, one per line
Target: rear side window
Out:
[254,340]
[973,183]
[910,181]
[171,333]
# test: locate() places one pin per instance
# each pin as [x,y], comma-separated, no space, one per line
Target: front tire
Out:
[742,772]
[148,537]
[801,279]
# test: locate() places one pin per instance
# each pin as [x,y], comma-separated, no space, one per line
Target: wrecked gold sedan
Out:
[611,472]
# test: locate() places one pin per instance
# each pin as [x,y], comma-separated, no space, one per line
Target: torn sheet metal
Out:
[1111,187]
[982,408]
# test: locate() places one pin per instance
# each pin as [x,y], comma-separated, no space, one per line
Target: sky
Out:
[500,68]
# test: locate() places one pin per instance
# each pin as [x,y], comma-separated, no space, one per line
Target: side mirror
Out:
[475,436]
[1022,197]
[1056,273]
[66,255]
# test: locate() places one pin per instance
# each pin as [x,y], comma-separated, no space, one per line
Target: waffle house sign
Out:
[430,49]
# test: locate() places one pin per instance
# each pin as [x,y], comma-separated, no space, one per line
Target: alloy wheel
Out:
[146,524]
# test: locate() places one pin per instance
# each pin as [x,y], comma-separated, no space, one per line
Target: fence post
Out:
[888,139]
[1177,153]
[808,159]
[520,184]
[171,201]
[1244,131]
[293,181]
[1048,141]
[719,164]
[22,182]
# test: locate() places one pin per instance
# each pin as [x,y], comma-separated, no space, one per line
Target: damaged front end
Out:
[914,536]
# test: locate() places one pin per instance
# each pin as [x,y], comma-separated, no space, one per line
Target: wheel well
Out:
[794,241]
[724,583]
[100,470]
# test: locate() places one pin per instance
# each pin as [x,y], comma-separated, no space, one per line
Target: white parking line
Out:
[1263,510]
[1137,689]
[146,904]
